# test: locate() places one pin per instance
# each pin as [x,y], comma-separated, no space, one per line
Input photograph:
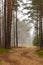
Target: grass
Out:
[2,50]
[39,53]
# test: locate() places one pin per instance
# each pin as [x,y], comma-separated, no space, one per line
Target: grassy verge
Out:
[2,50]
[39,53]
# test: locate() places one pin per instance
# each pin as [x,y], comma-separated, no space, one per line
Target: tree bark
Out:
[8,20]
[40,26]
[0,34]
[40,32]
[16,30]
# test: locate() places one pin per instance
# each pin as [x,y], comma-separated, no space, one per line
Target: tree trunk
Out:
[37,27]
[40,32]
[8,20]
[0,34]
[40,26]
[16,30]
[5,20]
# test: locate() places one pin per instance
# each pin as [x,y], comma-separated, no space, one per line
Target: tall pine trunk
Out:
[16,29]
[37,26]
[40,26]
[0,33]
[40,32]
[8,20]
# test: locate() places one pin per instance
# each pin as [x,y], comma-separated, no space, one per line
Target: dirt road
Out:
[21,56]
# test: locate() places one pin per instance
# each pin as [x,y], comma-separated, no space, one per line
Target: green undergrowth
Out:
[3,50]
[39,53]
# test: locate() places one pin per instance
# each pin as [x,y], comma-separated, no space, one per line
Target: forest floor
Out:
[21,56]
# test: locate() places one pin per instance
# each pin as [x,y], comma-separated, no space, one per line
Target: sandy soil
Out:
[21,56]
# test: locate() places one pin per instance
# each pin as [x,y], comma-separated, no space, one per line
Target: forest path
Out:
[21,56]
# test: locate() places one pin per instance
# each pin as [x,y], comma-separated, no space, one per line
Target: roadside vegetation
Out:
[37,43]
[3,50]
[39,53]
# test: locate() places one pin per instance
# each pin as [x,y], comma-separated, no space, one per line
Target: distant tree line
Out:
[36,15]
[35,12]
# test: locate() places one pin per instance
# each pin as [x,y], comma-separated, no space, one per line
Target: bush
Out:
[2,50]
[36,41]
[39,53]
